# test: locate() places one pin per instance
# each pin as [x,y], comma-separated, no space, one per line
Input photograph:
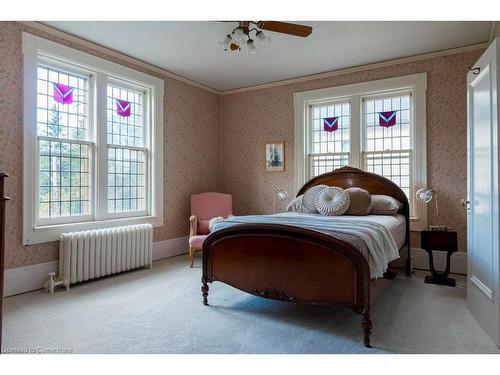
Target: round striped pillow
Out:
[332,201]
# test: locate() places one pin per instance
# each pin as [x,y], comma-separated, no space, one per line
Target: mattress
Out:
[395,224]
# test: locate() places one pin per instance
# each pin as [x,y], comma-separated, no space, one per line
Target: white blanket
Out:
[379,241]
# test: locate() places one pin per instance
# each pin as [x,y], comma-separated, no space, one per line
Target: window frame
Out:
[38,51]
[415,83]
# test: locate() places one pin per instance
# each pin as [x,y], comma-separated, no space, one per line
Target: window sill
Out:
[49,233]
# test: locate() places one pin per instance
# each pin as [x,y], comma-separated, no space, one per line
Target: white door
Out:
[482,228]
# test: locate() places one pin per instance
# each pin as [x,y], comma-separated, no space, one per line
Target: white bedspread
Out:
[378,239]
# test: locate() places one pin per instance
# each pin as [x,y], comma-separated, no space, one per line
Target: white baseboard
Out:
[170,248]
[458,261]
[26,279]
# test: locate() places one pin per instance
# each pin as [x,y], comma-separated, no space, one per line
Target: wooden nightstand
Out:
[440,241]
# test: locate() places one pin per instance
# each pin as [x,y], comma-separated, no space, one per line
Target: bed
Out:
[294,263]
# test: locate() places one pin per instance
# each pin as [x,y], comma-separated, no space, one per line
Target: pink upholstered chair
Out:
[206,206]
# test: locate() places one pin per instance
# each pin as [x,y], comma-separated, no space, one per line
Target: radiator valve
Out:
[52,282]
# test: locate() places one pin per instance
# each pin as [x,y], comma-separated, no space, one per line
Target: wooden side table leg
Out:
[448,261]
[408,262]
[439,278]
[431,262]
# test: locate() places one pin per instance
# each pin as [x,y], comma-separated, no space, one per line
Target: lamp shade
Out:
[251,47]
[281,194]
[226,42]
[261,38]
[425,195]
[238,35]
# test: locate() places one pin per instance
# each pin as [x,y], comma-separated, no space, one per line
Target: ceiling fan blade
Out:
[285,28]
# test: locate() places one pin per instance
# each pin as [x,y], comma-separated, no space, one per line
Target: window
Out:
[93,143]
[377,126]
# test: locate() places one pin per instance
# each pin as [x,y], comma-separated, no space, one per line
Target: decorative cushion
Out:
[332,201]
[360,202]
[309,198]
[385,205]
[296,205]
[203,227]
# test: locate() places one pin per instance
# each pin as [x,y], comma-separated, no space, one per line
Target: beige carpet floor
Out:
[160,311]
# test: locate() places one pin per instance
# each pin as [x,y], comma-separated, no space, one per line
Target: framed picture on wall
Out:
[275,157]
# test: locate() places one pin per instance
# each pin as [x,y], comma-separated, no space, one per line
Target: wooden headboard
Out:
[347,177]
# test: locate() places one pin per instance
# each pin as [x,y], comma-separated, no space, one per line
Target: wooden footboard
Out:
[289,264]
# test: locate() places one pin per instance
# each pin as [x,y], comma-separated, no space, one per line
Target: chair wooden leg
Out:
[191,256]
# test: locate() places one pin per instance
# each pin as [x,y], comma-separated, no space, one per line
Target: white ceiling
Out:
[190,49]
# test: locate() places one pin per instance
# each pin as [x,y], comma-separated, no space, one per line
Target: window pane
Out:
[331,141]
[320,164]
[124,116]
[393,165]
[63,113]
[126,180]
[396,137]
[64,179]
[388,148]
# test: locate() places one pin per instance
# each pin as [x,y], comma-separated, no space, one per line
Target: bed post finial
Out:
[347,168]
[204,291]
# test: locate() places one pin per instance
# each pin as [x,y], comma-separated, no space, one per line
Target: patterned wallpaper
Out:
[211,141]
[250,119]
[191,152]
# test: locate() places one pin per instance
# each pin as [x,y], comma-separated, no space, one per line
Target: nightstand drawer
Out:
[434,240]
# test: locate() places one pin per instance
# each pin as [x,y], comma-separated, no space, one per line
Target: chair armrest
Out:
[193,224]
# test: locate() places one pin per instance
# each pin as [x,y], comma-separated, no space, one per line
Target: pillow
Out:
[309,198]
[203,227]
[385,205]
[332,201]
[214,221]
[296,205]
[360,201]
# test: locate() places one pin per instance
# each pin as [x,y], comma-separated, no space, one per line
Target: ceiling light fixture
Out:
[245,38]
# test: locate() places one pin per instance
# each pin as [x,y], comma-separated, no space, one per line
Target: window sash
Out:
[320,160]
[66,68]
[130,213]
[380,155]
[145,148]
[69,218]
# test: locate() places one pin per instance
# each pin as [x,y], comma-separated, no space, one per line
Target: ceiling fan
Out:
[241,37]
